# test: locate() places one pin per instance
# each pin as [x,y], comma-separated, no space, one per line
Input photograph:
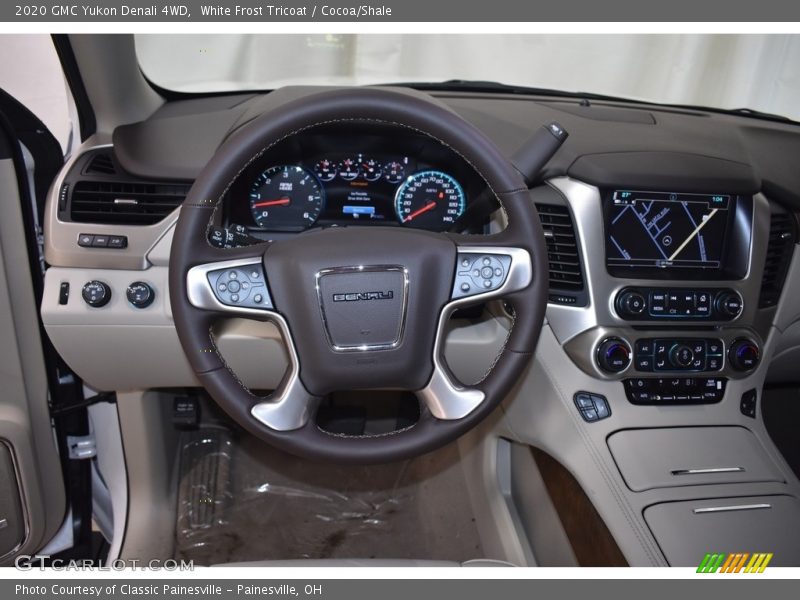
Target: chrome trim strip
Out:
[707,471]
[364,269]
[735,507]
[446,399]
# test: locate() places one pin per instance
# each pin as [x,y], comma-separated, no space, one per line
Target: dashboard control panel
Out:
[657,304]
[669,354]
[675,390]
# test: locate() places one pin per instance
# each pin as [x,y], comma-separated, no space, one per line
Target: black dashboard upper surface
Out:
[611,144]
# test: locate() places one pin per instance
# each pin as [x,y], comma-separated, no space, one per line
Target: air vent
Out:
[115,203]
[779,253]
[101,164]
[563,255]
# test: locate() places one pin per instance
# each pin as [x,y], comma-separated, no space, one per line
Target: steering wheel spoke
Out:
[483,272]
[291,406]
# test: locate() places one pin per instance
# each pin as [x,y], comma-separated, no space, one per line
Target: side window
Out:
[34,77]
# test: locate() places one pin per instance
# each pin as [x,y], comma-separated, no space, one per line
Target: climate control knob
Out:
[681,356]
[613,355]
[744,355]
[729,304]
[96,293]
[631,303]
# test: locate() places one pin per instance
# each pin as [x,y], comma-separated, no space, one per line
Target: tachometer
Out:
[429,200]
[287,198]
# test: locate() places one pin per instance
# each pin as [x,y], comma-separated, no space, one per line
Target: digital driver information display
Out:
[662,229]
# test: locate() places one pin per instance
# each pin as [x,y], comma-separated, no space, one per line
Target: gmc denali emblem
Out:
[357,296]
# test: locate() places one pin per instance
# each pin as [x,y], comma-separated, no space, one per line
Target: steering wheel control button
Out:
[593,407]
[140,294]
[744,355]
[480,273]
[241,287]
[96,293]
[613,355]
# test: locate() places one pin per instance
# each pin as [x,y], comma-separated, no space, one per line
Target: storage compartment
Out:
[12,525]
[686,531]
[678,456]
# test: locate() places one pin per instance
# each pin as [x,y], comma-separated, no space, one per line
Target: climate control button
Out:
[744,355]
[613,355]
[681,356]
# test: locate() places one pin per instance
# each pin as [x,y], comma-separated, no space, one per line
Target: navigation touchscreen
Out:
[666,230]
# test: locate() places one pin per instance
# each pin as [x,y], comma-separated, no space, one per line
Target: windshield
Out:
[759,72]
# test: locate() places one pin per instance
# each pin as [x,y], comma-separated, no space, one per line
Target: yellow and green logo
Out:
[719,562]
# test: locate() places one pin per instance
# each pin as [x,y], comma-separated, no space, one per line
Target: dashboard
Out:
[331,177]
[673,261]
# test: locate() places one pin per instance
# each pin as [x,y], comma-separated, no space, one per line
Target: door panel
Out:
[32,499]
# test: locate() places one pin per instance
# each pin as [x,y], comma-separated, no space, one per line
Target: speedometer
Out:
[286,198]
[429,200]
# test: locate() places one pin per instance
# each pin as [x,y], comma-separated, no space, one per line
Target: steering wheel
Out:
[358,307]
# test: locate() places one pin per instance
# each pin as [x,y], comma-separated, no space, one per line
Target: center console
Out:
[674,304]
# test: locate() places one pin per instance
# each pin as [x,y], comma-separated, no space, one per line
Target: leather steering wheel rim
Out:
[192,253]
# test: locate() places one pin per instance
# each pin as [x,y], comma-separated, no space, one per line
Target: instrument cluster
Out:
[407,181]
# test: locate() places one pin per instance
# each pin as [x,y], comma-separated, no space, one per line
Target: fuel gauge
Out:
[371,169]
